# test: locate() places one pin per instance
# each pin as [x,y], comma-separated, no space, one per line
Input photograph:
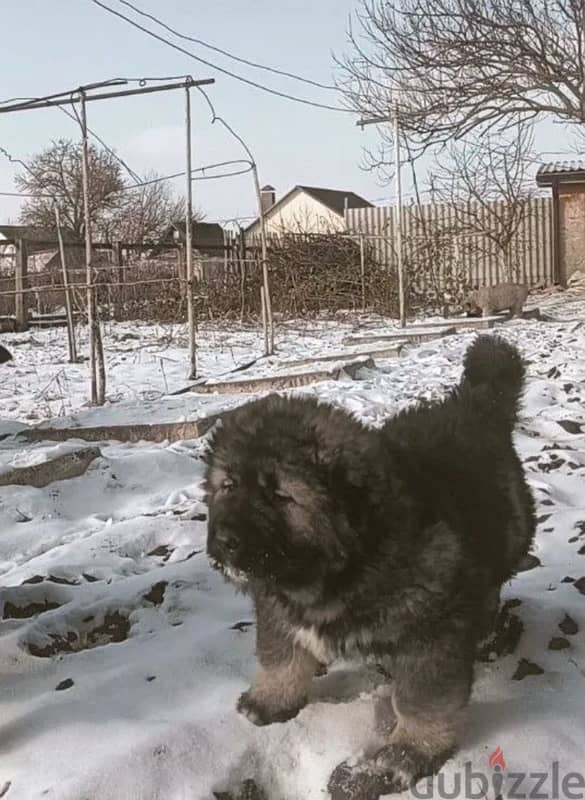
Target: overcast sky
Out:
[52,45]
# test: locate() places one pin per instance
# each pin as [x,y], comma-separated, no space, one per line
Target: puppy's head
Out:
[470,306]
[285,487]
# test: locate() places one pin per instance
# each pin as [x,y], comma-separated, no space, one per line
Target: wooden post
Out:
[189,238]
[398,219]
[559,269]
[363,270]
[264,319]
[97,392]
[20,285]
[120,295]
[268,324]
[67,290]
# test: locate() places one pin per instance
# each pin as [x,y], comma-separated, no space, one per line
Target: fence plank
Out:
[531,246]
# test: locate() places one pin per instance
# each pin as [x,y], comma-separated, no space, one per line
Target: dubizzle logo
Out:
[497,758]
[500,783]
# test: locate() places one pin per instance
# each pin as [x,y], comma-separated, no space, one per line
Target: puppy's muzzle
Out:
[222,544]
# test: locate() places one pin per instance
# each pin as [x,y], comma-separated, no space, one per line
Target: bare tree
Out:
[56,173]
[486,183]
[143,214]
[118,210]
[456,66]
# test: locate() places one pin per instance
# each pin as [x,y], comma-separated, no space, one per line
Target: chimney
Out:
[268,196]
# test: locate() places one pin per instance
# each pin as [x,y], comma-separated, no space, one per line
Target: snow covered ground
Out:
[122,654]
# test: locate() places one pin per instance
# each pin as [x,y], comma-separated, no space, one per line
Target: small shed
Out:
[567,181]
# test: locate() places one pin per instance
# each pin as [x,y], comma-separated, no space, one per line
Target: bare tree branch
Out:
[457,66]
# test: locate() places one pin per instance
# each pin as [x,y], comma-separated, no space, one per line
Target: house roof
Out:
[565,171]
[335,200]
[208,237]
[204,234]
[37,238]
[30,233]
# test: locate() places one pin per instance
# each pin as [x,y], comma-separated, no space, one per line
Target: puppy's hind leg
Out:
[285,671]
[432,686]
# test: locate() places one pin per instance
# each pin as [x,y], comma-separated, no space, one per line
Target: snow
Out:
[156,671]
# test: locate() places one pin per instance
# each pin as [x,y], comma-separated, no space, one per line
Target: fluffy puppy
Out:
[389,543]
[502,297]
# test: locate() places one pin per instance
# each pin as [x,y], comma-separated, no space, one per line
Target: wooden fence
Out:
[473,244]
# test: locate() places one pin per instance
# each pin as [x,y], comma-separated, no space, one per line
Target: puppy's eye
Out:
[227,484]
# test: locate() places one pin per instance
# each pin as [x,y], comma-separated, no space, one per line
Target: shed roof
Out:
[570,171]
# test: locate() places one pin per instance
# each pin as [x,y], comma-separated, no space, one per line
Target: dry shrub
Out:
[309,274]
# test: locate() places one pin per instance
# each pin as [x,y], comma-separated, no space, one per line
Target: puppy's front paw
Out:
[393,769]
[261,712]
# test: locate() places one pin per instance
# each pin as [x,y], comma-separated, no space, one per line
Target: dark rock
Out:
[508,629]
[89,578]
[249,790]
[150,678]
[156,595]
[554,372]
[162,551]
[568,626]
[59,644]
[543,518]
[62,581]
[115,628]
[558,643]
[33,580]
[580,585]
[568,579]
[66,684]
[529,562]
[581,551]
[12,611]
[526,668]
[570,425]
[241,626]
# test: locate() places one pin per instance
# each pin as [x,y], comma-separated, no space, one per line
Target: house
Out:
[41,246]
[207,237]
[208,246]
[306,209]
[566,179]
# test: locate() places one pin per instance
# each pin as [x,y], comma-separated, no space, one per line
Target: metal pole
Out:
[67,288]
[398,219]
[76,98]
[88,264]
[189,238]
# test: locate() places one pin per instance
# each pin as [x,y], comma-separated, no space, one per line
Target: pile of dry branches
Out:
[309,274]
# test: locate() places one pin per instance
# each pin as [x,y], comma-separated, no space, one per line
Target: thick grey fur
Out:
[390,543]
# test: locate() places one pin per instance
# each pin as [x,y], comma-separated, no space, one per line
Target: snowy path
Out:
[122,653]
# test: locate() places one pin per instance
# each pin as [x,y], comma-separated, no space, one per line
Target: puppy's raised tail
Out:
[494,371]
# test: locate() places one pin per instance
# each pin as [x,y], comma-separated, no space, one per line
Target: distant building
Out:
[207,237]
[567,181]
[306,209]
[41,246]
[208,247]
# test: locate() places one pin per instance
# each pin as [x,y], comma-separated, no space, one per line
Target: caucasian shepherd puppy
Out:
[388,543]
